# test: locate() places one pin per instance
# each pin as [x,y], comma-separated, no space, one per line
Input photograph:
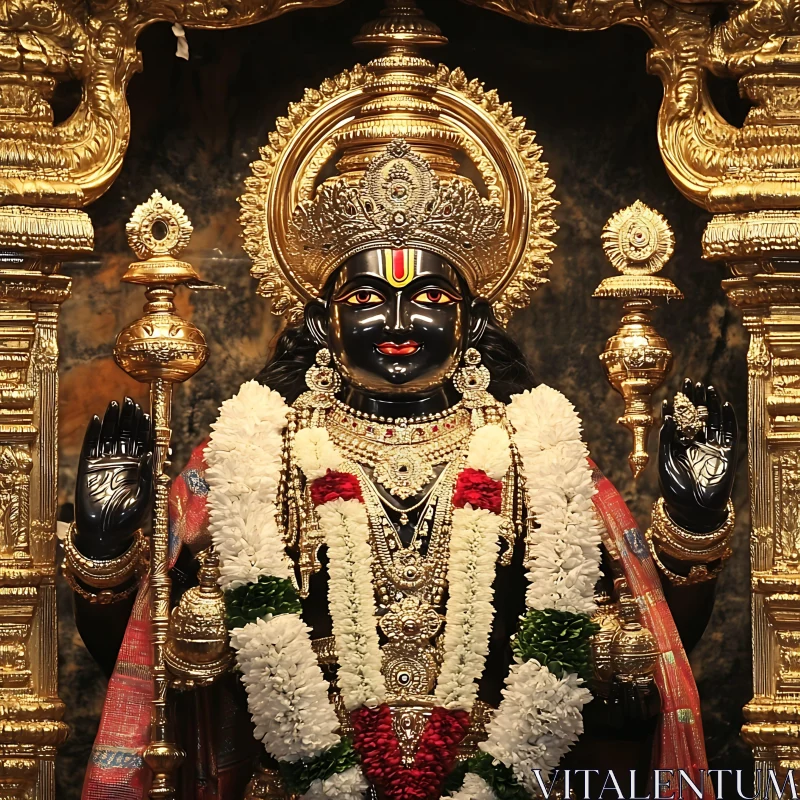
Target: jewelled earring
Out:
[323,380]
[472,380]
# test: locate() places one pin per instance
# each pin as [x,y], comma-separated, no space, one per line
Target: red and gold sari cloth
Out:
[679,743]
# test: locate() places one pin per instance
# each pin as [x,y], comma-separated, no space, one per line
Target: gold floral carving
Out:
[788,542]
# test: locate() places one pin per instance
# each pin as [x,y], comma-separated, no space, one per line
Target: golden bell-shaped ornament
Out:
[633,651]
[197,650]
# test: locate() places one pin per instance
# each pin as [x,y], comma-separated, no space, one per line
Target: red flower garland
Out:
[374,738]
[335,485]
[375,741]
[476,488]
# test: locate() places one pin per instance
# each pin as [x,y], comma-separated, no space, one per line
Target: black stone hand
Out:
[115,480]
[696,474]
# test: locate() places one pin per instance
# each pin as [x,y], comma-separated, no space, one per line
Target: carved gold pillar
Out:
[31,730]
[762,252]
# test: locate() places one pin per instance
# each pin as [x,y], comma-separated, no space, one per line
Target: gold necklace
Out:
[401,571]
[401,452]
[404,512]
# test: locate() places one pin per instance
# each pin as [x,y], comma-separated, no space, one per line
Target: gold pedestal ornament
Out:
[638,242]
[161,349]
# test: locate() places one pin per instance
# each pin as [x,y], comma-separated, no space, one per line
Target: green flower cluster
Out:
[558,640]
[299,775]
[256,600]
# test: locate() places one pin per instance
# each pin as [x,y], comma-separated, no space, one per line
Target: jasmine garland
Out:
[540,716]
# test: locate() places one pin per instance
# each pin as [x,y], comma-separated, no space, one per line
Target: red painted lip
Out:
[394,349]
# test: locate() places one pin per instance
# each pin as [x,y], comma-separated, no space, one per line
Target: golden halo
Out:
[300,153]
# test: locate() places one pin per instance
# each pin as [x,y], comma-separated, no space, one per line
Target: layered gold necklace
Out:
[402,453]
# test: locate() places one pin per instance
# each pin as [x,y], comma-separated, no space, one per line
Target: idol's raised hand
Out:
[697,457]
[115,480]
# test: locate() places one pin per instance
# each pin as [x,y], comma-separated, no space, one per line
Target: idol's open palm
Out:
[696,468]
[115,480]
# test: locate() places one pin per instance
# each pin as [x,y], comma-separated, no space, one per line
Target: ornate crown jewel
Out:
[398,203]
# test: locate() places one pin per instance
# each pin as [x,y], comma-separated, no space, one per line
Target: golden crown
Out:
[400,153]
[400,202]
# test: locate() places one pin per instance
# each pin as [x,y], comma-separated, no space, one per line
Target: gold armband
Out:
[699,550]
[101,597]
[103,574]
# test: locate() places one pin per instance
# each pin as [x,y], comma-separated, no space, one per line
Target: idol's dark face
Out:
[397,322]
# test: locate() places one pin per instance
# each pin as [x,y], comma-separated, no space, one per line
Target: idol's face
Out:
[396,322]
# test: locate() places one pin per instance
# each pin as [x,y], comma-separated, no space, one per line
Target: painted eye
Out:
[434,297]
[362,297]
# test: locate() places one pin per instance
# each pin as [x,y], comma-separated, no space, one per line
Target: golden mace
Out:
[638,242]
[161,349]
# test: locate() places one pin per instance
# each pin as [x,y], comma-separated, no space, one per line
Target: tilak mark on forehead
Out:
[400,266]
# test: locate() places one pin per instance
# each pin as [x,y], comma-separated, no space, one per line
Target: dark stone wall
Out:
[195,128]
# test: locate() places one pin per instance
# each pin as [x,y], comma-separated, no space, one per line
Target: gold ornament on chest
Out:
[401,453]
[410,659]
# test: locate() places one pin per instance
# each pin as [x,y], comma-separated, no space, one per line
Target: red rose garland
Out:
[476,488]
[374,738]
[336,485]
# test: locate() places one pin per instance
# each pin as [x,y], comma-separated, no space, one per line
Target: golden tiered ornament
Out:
[638,242]
[161,349]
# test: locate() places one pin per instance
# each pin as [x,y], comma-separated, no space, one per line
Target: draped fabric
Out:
[679,743]
[116,770]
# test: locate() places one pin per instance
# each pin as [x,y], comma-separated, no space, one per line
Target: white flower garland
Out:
[565,563]
[350,783]
[351,602]
[474,544]
[474,788]
[538,721]
[287,695]
[540,716]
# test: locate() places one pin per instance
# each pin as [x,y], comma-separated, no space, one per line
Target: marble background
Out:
[197,125]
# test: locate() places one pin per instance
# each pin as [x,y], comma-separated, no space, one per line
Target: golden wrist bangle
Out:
[101,596]
[103,573]
[683,545]
[697,550]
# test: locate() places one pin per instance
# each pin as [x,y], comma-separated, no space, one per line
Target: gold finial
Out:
[401,22]
[638,242]
[158,227]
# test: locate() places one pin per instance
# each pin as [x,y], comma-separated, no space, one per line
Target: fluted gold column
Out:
[31,730]
[761,250]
